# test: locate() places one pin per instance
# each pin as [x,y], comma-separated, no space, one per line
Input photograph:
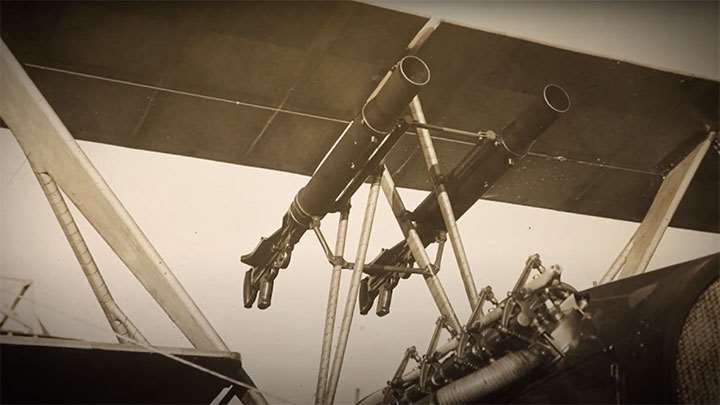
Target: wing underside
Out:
[252,84]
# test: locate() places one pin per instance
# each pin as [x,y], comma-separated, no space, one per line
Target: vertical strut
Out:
[418,251]
[443,200]
[119,322]
[331,310]
[353,291]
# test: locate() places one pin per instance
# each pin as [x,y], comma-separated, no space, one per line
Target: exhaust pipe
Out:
[496,375]
[471,388]
[345,160]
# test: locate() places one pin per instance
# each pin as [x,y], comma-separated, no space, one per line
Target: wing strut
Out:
[636,255]
[119,322]
[51,149]
[417,249]
[344,332]
[56,157]
[443,201]
[331,309]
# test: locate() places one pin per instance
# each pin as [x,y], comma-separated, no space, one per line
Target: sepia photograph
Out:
[359,202]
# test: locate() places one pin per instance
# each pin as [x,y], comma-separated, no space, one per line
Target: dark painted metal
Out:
[637,322]
[69,373]
[628,348]
[373,163]
[356,153]
[486,163]
[352,151]
[470,179]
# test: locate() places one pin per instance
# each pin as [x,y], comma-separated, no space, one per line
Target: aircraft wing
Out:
[273,85]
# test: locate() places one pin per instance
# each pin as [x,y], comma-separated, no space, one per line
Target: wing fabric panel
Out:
[249,82]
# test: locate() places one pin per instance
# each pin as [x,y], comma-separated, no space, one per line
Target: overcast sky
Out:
[202,215]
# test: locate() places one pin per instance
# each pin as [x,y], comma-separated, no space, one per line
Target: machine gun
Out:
[479,169]
[358,150]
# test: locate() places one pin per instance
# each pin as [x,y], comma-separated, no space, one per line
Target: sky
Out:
[203,215]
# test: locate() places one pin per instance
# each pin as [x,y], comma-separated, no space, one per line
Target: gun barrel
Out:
[479,169]
[376,120]
[486,163]
[335,173]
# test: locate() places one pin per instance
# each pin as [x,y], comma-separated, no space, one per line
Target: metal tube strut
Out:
[331,310]
[368,268]
[51,148]
[419,254]
[467,136]
[443,200]
[353,291]
[119,322]
[380,269]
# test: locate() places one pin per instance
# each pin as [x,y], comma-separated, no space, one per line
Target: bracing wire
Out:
[153,349]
